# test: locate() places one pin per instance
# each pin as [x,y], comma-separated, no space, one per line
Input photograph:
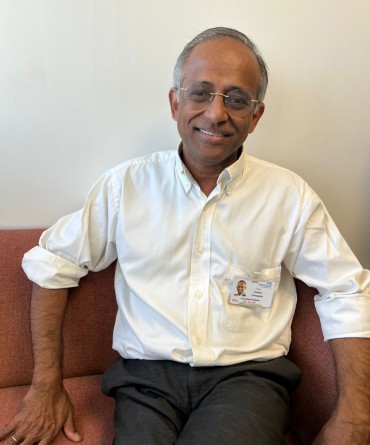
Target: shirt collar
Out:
[182,172]
[231,173]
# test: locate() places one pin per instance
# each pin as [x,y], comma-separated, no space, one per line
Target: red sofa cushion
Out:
[93,410]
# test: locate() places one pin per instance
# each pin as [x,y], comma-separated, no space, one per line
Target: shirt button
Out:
[201,250]
[198,294]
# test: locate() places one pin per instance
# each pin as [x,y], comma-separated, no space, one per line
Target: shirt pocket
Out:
[243,317]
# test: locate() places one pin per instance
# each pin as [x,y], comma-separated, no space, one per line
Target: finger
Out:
[45,439]
[8,433]
[12,440]
[70,429]
[27,436]
[3,432]
[6,430]
[10,428]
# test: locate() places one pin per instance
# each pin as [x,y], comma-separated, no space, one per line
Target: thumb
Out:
[70,429]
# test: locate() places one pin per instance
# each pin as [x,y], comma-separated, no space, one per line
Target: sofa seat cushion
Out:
[93,410]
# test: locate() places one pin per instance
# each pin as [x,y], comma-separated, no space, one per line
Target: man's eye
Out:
[238,101]
[198,95]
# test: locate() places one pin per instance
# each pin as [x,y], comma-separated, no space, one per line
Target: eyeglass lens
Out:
[238,102]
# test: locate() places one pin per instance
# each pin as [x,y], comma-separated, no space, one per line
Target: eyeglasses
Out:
[237,102]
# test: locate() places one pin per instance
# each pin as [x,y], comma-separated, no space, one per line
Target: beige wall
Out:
[83,86]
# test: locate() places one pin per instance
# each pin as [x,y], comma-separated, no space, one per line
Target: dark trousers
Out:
[166,403]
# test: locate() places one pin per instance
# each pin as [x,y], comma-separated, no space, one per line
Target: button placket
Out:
[198,303]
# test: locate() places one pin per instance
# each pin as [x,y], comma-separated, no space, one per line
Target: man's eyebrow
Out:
[204,83]
[239,89]
[201,83]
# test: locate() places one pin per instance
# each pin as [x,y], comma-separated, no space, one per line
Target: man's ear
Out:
[260,108]
[174,103]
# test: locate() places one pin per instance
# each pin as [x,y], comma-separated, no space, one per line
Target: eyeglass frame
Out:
[224,96]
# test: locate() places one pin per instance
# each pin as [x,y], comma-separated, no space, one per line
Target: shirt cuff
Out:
[51,271]
[344,316]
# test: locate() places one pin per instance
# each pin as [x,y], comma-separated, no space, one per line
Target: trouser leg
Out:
[149,398]
[152,422]
[162,403]
[244,407]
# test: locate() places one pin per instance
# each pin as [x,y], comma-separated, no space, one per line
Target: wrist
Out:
[47,383]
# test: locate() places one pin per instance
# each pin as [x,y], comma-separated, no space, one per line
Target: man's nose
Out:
[216,109]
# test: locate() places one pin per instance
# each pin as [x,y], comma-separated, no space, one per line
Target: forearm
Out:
[46,408]
[352,359]
[47,317]
[350,421]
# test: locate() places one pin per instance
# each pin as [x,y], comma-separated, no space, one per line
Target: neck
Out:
[207,175]
[206,184]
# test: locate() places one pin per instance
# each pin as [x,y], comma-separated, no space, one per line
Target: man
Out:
[240,288]
[194,368]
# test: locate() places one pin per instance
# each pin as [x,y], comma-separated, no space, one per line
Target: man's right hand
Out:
[44,412]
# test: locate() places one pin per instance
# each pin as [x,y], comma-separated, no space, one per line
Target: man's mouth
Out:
[211,133]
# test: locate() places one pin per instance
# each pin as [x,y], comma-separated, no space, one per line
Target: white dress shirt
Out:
[179,253]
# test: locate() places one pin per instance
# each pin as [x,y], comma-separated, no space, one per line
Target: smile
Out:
[209,133]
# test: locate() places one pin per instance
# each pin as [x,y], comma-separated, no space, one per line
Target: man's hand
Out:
[43,414]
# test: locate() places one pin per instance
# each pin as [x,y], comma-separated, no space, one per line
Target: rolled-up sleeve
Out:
[51,271]
[78,243]
[319,256]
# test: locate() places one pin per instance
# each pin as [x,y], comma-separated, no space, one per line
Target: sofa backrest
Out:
[89,320]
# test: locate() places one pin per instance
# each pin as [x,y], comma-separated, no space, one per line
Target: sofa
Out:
[87,349]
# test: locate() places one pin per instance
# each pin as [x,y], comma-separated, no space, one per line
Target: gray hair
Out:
[216,33]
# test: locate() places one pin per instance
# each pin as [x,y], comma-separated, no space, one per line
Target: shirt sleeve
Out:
[78,243]
[319,256]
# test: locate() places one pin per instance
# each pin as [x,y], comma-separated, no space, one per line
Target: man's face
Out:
[211,137]
[241,287]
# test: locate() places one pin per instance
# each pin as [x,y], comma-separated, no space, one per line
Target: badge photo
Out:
[248,291]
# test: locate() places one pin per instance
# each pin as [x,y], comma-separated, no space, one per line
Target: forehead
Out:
[223,62]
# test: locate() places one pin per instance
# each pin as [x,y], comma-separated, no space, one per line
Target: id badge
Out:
[247,291]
